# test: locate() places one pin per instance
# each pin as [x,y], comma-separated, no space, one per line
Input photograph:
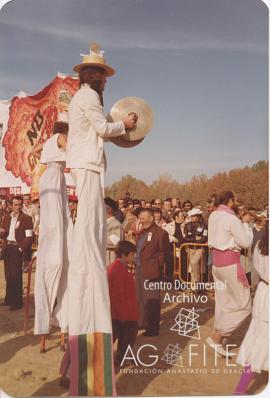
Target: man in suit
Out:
[16,233]
[153,250]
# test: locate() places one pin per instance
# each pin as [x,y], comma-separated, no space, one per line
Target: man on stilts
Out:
[90,331]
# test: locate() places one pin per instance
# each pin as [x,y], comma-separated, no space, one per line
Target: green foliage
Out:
[249,183]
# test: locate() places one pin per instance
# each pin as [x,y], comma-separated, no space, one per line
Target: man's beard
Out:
[96,85]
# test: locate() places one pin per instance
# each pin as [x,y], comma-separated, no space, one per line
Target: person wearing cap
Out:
[114,230]
[54,232]
[196,232]
[90,328]
[227,235]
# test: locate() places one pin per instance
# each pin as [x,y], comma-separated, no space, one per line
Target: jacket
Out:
[196,232]
[155,251]
[88,128]
[23,231]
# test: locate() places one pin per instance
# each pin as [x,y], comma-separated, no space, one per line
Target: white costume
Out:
[233,304]
[52,255]
[254,348]
[89,306]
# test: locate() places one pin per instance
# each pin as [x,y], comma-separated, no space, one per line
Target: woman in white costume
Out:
[55,227]
[253,353]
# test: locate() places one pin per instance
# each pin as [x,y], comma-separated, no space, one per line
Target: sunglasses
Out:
[157,203]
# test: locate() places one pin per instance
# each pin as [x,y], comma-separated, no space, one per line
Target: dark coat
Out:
[155,251]
[24,223]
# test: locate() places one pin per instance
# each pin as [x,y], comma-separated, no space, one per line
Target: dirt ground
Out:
[25,372]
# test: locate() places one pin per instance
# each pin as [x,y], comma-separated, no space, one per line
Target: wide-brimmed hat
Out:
[262,214]
[194,212]
[94,58]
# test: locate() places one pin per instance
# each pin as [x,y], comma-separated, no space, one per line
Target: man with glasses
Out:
[187,206]
[158,203]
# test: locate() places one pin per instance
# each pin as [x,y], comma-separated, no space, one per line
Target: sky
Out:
[200,64]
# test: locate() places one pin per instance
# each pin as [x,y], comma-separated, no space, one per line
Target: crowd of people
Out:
[164,225]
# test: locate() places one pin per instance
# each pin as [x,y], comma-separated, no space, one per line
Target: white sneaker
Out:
[218,348]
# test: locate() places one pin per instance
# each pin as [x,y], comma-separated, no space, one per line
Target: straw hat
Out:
[94,58]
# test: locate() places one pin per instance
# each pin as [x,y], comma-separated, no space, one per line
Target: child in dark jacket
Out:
[124,306]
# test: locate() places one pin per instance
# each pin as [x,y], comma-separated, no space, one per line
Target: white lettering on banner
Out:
[15,190]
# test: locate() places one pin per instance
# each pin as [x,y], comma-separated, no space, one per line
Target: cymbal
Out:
[128,105]
[119,141]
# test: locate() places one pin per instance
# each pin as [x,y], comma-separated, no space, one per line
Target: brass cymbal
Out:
[128,105]
[119,141]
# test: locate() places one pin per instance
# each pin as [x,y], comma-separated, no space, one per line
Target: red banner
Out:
[6,192]
[31,122]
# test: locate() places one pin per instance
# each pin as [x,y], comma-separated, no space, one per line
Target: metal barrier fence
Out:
[177,260]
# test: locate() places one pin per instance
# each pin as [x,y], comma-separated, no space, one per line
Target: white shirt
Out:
[227,232]
[51,151]
[13,224]
[87,129]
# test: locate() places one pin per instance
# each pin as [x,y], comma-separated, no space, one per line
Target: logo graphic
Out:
[172,354]
[186,324]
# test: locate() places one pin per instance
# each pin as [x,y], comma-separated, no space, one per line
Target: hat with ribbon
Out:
[94,58]
[194,212]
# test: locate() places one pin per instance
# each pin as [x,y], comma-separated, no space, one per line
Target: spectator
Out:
[187,205]
[118,214]
[148,205]
[136,203]
[130,225]
[73,205]
[157,204]
[176,203]
[167,208]
[124,306]
[121,204]
[158,217]
[142,203]
[17,236]
[258,232]
[128,197]
[152,252]
[3,209]
[114,230]
[196,232]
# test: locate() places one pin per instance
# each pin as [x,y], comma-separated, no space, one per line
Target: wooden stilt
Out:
[43,344]
[62,342]
[27,300]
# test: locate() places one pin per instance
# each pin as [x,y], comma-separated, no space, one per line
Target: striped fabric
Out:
[91,365]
